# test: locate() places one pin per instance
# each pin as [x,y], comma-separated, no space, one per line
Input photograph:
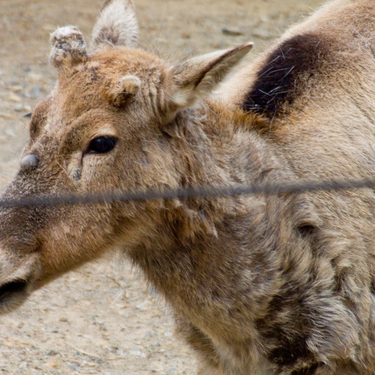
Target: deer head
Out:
[112,122]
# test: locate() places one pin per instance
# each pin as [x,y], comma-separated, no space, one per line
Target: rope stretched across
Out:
[128,196]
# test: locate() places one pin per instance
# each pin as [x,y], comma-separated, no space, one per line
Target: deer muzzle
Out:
[18,277]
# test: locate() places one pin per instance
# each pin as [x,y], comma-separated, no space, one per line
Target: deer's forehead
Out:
[105,66]
[94,83]
[88,87]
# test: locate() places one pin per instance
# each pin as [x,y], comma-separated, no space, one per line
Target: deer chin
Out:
[17,287]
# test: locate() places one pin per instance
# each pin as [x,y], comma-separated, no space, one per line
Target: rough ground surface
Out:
[103,319]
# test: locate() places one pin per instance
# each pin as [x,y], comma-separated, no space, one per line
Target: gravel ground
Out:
[103,318]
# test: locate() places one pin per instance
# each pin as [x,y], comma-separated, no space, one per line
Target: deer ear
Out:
[68,47]
[199,76]
[116,25]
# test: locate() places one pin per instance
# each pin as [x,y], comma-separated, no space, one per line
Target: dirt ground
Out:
[103,319]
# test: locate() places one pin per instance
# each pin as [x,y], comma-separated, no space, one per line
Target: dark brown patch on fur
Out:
[306,230]
[289,345]
[290,352]
[280,80]
[307,370]
[372,287]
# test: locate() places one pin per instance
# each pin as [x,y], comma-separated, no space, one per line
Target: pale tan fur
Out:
[259,285]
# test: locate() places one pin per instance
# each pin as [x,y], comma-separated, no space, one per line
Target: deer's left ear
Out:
[116,25]
[196,78]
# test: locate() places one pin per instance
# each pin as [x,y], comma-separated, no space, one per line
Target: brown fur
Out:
[276,285]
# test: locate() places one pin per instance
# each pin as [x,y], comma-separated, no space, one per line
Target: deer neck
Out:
[194,240]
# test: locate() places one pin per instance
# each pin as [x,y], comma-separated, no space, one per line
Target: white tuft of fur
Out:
[116,25]
[67,42]
[125,90]
[130,84]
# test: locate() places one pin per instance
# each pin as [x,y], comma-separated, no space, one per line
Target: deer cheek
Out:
[75,168]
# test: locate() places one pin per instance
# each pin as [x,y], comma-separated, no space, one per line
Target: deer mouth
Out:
[17,285]
[14,293]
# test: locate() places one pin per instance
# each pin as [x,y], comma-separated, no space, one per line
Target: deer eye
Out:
[101,145]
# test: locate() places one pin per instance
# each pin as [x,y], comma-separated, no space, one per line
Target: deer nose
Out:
[29,162]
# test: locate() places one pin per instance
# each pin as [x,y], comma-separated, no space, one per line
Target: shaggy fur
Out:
[259,285]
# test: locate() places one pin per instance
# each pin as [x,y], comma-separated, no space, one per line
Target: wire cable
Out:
[203,192]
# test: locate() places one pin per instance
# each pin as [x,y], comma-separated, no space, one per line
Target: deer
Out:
[271,284]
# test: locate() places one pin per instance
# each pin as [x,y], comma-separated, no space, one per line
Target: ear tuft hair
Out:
[68,46]
[116,25]
[198,76]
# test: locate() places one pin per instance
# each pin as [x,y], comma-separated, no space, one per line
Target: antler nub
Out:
[67,45]
[125,90]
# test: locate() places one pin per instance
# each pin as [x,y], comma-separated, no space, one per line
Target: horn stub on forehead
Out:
[124,90]
[68,46]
